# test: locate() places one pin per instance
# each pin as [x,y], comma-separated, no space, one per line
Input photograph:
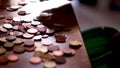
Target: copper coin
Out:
[3,60]
[21,12]
[58,53]
[3,30]
[19,49]
[15,27]
[8,21]
[17,33]
[9,18]
[21,28]
[28,43]
[2,16]
[60,37]
[30,27]
[60,59]
[10,38]
[13,57]
[30,49]
[2,50]
[68,51]
[26,35]
[35,60]
[53,48]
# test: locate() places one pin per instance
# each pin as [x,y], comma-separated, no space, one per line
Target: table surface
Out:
[62,13]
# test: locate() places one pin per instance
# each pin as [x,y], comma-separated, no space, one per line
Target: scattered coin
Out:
[60,37]
[58,53]
[53,48]
[10,38]
[2,16]
[13,57]
[47,42]
[43,49]
[19,49]
[32,31]
[35,60]
[50,64]
[26,35]
[18,41]
[28,43]
[22,12]
[2,50]
[7,26]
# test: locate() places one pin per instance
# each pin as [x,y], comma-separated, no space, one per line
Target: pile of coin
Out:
[21,35]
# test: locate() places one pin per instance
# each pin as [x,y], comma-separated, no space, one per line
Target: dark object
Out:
[98,42]
[61,38]
[22,13]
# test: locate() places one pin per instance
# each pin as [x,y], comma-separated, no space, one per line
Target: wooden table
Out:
[62,13]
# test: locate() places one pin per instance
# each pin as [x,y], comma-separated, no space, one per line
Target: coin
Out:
[43,49]
[13,57]
[53,48]
[58,53]
[75,43]
[22,12]
[10,38]
[35,23]
[37,38]
[28,43]
[60,59]
[26,35]
[30,49]
[19,49]
[50,64]
[35,60]
[2,50]
[60,37]
[9,45]
[32,31]
[7,26]
[18,41]
[47,42]
[2,16]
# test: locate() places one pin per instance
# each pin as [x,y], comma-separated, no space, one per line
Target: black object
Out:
[89,2]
